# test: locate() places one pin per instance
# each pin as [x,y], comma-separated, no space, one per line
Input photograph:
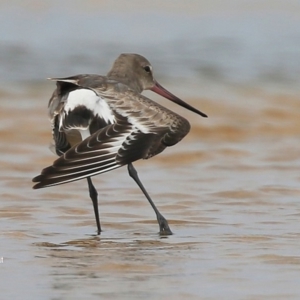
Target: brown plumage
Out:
[101,123]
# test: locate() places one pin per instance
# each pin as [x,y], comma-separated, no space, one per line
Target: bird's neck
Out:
[126,78]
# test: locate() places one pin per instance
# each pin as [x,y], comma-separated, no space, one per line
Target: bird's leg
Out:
[94,197]
[164,228]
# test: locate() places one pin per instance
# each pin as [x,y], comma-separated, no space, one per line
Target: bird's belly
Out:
[73,137]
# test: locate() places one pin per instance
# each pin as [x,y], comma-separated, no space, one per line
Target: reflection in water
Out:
[95,260]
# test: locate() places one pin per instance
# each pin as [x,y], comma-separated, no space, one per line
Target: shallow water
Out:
[230,189]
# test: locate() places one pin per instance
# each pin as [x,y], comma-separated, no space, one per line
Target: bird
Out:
[100,123]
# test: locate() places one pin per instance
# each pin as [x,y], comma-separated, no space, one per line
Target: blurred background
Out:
[230,189]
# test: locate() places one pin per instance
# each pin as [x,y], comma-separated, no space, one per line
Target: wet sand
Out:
[230,191]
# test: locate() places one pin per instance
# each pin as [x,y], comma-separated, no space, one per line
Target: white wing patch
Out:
[142,126]
[88,98]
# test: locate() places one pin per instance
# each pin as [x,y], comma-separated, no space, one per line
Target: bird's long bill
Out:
[165,93]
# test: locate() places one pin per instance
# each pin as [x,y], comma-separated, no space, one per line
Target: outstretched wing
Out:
[142,129]
[107,149]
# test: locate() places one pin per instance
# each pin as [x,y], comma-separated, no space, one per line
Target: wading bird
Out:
[100,123]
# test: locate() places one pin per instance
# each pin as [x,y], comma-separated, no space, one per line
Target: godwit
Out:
[100,123]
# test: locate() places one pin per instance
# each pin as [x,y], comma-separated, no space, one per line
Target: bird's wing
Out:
[74,105]
[68,84]
[142,129]
[107,149]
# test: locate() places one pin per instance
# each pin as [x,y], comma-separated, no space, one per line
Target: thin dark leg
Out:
[164,228]
[94,197]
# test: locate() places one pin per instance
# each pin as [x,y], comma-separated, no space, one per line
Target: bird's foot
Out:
[164,228]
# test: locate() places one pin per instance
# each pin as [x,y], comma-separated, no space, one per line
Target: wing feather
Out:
[96,154]
[142,129]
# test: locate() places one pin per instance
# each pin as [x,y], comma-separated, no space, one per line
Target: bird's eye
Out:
[147,69]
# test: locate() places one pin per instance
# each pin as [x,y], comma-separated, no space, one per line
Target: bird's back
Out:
[76,111]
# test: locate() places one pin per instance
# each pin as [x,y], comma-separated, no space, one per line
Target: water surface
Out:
[230,189]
